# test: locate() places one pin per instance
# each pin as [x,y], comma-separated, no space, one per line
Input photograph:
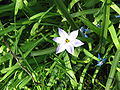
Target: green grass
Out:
[28,60]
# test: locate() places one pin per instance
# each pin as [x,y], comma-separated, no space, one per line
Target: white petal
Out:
[62,33]
[73,35]
[59,40]
[70,48]
[60,48]
[76,43]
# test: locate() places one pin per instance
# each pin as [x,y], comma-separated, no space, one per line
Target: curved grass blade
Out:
[82,76]
[72,3]
[90,25]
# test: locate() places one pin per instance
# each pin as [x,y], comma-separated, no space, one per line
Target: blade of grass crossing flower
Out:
[106,18]
[65,13]
[90,25]
[80,87]
[70,71]
[113,69]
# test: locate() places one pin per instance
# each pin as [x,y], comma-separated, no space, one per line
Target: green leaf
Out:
[43,52]
[30,46]
[70,72]
[6,8]
[81,81]
[113,70]
[19,5]
[115,7]
[7,30]
[90,25]
[87,53]
[106,16]
[72,3]
[24,81]
[114,36]
[33,30]
[5,58]
[85,12]
[61,6]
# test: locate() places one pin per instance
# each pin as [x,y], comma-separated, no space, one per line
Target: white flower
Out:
[67,41]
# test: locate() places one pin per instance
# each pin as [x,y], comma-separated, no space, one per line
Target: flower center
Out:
[67,40]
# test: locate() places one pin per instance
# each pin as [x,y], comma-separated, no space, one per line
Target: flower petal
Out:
[70,48]
[60,48]
[73,35]
[62,33]
[77,43]
[59,40]
[100,63]
[117,16]
[99,57]
[104,60]
[82,29]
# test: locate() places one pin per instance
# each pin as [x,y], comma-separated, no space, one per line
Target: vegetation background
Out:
[27,52]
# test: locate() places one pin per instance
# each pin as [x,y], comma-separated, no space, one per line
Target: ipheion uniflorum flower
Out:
[67,41]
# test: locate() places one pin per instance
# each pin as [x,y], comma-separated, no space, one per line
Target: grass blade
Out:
[113,70]
[90,25]
[106,18]
[65,13]
[70,71]
[114,36]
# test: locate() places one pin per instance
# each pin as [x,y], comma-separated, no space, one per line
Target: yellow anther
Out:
[67,40]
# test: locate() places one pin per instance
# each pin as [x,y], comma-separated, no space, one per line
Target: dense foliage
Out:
[28,58]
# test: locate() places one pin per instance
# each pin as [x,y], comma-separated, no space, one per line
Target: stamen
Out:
[67,40]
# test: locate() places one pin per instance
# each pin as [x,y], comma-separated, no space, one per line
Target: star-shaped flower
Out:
[67,41]
[101,62]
